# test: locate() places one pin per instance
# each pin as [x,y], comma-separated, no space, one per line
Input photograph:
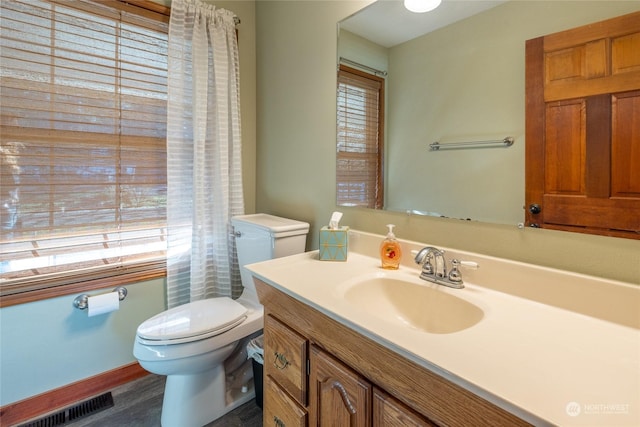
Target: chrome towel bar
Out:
[506,142]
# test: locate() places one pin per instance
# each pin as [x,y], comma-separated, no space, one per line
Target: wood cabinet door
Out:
[390,412]
[338,396]
[583,129]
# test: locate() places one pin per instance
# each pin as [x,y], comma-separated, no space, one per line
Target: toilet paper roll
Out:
[104,303]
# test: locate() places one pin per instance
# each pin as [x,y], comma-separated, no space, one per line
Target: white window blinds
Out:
[83,129]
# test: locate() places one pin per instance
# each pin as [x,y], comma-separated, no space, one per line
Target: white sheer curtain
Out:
[204,175]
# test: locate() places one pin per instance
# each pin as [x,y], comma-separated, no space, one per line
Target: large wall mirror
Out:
[457,75]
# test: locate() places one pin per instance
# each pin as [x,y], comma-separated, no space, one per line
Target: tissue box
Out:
[333,244]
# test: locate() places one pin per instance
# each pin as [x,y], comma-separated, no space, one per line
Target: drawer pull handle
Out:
[280,361]
[278,422]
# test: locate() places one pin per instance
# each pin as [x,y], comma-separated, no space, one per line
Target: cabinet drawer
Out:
[285,358]
[280,410]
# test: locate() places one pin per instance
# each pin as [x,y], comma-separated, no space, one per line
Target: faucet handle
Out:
[455,275]
[427,267]
[470,264]
[423,256]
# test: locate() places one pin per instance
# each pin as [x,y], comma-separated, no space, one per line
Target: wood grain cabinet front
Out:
[285,358]
[390,412]
[280,410]
[338,396]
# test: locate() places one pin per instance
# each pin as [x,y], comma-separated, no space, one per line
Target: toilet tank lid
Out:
[271,223]
[196,318]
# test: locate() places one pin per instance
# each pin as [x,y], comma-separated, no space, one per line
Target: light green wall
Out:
[296,50]
[48,344]
[465,82]
[363,51]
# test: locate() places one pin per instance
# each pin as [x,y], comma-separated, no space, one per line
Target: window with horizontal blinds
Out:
[359,179]
[83,134]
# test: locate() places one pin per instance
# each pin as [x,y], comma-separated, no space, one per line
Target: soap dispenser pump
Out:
[390,252]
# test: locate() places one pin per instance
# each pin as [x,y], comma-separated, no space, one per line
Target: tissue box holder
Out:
[333,244]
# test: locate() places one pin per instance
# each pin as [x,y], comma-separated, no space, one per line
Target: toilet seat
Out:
[192,322]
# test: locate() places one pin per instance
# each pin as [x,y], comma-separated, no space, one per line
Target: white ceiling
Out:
[388,23]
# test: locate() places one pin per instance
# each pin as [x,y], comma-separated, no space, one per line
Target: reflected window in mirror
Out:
[359,148]
[456,76]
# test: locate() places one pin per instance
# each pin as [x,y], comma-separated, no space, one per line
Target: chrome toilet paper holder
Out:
[82,301]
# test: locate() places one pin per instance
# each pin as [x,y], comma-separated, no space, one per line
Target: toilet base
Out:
[198,399]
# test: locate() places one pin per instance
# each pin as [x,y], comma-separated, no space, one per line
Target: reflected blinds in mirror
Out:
[359,148]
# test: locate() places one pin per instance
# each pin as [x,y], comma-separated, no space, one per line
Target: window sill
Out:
[79,287]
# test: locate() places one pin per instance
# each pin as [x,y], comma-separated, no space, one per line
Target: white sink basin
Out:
[408,303]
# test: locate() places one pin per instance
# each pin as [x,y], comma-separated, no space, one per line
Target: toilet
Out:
[201,346]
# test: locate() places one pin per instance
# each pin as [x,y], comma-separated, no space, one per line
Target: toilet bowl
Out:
[193,361]
[193,344]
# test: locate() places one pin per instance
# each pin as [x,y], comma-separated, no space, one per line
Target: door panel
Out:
[624,54]
[565,148]
[583,129]
[625,150]
[338,396]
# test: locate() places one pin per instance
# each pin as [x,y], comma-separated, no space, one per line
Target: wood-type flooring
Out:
[139,404]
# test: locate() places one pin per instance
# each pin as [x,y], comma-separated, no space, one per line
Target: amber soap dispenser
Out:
[390,252]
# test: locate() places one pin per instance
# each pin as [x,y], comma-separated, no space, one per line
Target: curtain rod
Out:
[365,67]
[506,142]
[159,8]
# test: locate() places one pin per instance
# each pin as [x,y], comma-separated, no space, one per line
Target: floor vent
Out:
[75,412]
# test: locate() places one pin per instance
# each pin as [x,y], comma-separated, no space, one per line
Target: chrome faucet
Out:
[437,272]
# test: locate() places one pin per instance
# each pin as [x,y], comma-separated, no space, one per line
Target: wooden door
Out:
[583,129]
[338,396]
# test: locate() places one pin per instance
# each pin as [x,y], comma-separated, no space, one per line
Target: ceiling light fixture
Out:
[421,6]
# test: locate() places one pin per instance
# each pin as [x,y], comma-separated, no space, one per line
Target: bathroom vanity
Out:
[352,378]
[347,343]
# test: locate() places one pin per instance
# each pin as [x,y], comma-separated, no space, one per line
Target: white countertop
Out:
[544,363]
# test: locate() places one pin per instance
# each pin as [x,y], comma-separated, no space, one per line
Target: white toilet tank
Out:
[260,237]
